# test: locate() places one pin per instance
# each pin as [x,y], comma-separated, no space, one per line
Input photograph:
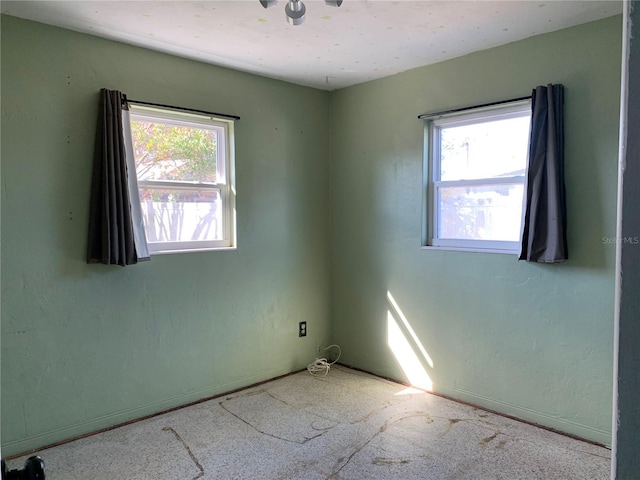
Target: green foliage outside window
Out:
[168,152]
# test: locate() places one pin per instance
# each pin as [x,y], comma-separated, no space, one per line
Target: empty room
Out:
[319,240]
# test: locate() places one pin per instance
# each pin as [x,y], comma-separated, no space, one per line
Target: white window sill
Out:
[471,250]
[192,250]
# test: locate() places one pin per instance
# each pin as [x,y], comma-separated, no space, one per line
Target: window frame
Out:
[432,182]
[225,176]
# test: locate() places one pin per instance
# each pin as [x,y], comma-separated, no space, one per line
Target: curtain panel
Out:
[544,235]
[114,236]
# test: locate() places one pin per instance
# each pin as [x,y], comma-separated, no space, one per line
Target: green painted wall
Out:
[329,221]
[85,347]
[529,340]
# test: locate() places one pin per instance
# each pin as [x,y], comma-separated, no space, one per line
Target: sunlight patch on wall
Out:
[406,324]
[404,352]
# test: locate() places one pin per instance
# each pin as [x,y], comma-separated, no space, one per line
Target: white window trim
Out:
[430,241]
[225,177]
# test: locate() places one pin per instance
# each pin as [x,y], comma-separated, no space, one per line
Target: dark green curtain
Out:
[111,237]
[544,237]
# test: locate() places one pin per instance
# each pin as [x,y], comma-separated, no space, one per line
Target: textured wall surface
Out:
[530,340]
[87,346]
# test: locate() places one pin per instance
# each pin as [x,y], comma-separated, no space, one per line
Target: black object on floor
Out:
[33,470]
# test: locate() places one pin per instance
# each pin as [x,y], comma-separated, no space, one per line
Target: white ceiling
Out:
[335,47]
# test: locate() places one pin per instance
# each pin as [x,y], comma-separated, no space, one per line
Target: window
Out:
[476,163]
[184,167]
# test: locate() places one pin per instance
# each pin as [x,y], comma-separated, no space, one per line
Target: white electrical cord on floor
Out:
[320,367]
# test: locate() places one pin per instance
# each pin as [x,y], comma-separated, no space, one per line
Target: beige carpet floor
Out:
[347,425]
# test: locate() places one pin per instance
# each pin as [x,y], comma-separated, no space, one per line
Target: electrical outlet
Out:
[302,329]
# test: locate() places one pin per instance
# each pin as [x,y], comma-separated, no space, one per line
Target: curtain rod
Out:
[484,105]
[184,109]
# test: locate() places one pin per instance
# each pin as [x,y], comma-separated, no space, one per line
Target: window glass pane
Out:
[170,152]
[492,212]
[181,214]
[494,148]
